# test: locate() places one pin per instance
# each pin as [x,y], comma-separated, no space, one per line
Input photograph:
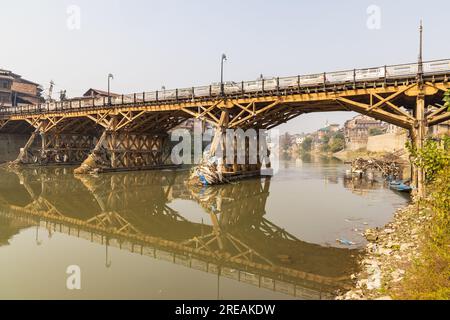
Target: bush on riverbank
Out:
[429,277]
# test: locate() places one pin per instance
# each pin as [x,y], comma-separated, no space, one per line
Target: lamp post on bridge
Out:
[110,77]
[222,60]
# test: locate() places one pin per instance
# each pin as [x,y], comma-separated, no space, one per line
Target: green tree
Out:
[447,100]
[375,132]
[285,141]
[339,135]
[434,157]
[307,144]
[429,276]
[326,138]
[337,144]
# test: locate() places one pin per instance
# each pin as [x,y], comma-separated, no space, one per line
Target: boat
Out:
[400,186]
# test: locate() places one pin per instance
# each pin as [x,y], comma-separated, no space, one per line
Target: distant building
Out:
[299,140]
[92,94]
[440,129]
[95,93]
[391,128]
[357,131]
[15,90]
[332,128]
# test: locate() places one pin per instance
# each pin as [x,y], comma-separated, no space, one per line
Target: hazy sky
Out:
[147,44]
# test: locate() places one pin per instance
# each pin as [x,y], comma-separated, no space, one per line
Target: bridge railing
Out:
[260,86]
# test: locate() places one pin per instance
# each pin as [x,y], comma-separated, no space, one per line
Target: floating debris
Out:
[346,242]
[207,173]
[390,166]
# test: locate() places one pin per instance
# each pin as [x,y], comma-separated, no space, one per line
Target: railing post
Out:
[104,101]
[122,99]
[210,91]
[176,94]
[93,102]
[354,78]
[298,83]
[157,95]
[79,104]
[324,81]
[385,76]
[278,85]
[193,93]
[143,96]
[262,85]
[134,98]
[242,87]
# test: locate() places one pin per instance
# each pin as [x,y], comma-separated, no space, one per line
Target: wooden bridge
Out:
[131,131]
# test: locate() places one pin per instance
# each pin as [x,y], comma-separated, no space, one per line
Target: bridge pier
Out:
[233,154]
[126,151]
[47,146]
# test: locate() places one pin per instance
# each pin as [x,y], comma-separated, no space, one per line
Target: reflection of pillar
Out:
[107,260]
[43,144]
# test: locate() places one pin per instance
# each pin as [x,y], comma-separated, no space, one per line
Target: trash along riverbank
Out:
[388,255]
[409,258]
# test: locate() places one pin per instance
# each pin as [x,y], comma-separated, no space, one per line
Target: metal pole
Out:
[109,100]
[420,63]
[110,76]
[222,89]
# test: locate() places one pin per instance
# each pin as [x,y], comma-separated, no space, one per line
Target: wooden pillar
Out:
[113,141]
[418,137]
[127,155]
[219,136]
[44,139]
[24,151]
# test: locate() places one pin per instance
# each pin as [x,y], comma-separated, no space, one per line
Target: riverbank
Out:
[349,155]
[389,253]
[409,258]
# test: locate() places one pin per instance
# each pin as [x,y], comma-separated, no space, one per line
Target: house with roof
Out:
[15,90]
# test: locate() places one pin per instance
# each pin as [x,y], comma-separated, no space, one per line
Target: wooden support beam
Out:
[395,108]
[389,117]
[389,98]
[24,151]
[443,117]
[419,132]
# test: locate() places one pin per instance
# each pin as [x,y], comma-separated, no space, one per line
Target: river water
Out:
[147,235]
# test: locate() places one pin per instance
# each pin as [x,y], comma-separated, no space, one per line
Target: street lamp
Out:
[110,77]
[224,58]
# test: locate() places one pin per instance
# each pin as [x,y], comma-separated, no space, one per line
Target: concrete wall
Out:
[355,145]
[389,142]
[10,145]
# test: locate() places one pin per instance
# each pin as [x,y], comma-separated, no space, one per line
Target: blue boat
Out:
[400,186]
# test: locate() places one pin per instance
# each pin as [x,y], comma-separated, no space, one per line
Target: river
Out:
[147,235]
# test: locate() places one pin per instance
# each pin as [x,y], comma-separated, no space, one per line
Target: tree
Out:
[375,132]
[326,138]
[447,100]
[325,147]
[307,144]
[285,141]
[339,135]
[337,144]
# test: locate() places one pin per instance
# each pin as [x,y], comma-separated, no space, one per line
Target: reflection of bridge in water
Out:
[132,212]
